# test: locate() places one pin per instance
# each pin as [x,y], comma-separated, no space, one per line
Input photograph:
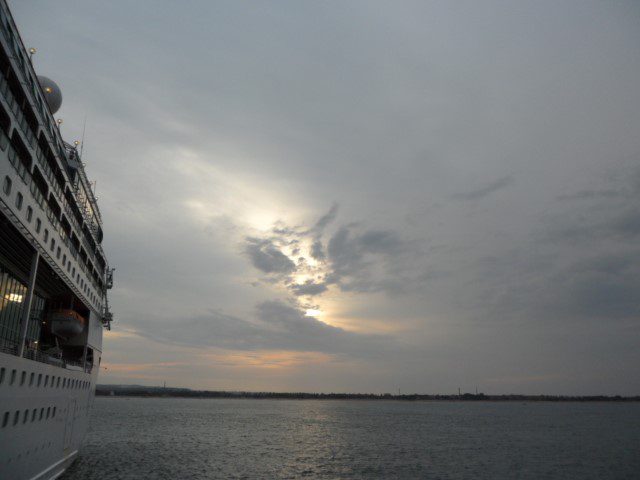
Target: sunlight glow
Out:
[312,312]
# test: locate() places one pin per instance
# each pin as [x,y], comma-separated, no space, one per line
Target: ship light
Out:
[14,297]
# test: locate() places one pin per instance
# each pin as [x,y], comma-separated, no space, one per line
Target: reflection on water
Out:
[204,438]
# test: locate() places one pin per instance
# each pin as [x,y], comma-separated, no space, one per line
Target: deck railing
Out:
[7,346]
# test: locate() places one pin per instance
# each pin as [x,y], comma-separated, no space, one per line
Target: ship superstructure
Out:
[54,275]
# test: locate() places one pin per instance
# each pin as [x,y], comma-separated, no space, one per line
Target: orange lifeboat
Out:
[66,323]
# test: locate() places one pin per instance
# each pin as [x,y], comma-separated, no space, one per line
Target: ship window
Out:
[53,413]
[64,259]
[33,414]
[46,235]
[19,200]
[16,417]
[1,375]
[53,244]
[46,380]
[41,413]
[6,185]
[38,225]
[73,272]
[39,379]
[58,383]
[25,417]
[29,214]
[31,377]
[23,377]
[13,377]
[58,253]
[5,419]
[48,411]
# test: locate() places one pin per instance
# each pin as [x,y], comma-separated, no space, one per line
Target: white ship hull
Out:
[45,424]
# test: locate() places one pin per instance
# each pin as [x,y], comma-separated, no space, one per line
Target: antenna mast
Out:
[84,128]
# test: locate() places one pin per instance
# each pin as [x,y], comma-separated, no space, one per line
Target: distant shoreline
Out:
[160,392]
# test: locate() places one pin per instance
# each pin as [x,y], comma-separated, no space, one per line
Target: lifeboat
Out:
[66,323]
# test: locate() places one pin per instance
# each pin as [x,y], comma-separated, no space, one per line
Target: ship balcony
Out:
[40,221]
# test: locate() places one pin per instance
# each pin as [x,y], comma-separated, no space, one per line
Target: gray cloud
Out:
[525,114]
[276,326]
[326,219]
[309,288]
[317,250]
[265,256]
[487,190]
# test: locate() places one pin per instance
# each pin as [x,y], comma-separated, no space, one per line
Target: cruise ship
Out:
[54,275]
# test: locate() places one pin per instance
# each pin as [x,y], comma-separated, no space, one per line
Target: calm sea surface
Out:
[133,438]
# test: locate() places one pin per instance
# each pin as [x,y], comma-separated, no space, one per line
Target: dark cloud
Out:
[265,256]
[326,219]
[317,250]
[276,326]
[589,194]
[309,288]
[487,190]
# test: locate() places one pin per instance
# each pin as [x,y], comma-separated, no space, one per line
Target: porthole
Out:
[6,185]
[5,419]
[25,417]
[41,413]
[23,377]
[46,380]
[19,201]
[29,214]
[38,225]
[58,253]
[2,375]
[16,417]
[58,383]
[46,235]
[31,377]
[33,415]
[39,379]
[48,411]
[64,259]
[13,377]
[53,244]
[64,383]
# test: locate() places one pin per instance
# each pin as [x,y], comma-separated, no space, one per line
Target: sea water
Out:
[172,438]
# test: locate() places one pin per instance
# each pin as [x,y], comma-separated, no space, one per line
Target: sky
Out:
[360,196]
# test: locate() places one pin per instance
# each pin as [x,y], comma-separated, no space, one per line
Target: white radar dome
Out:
[52,93]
